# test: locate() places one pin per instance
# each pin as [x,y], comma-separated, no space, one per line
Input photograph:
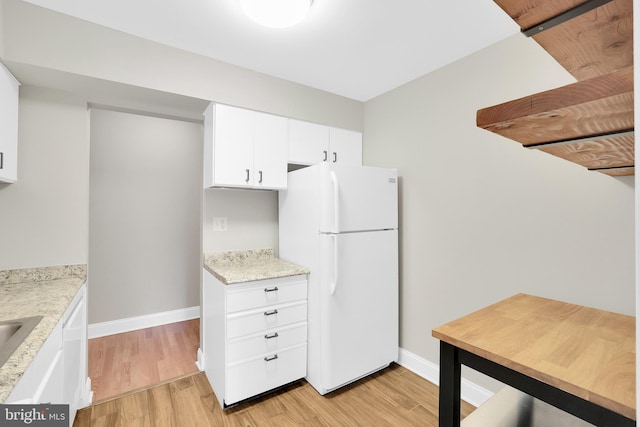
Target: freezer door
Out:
[359,305]
[357,198]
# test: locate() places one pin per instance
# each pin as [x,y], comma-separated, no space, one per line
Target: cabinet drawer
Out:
[267,318]
[266,342]
[266,293]
[260,374]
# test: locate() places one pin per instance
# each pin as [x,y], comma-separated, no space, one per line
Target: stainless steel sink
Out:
[13,332]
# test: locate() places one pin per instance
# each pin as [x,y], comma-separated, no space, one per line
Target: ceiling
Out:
[355,48]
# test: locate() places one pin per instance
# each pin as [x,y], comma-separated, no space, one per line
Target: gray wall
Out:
[482,218]
[107,67]
[145,204]
[252,220]
[44,216]
[85,49]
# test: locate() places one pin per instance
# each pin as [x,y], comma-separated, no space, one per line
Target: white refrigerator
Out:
[342,223]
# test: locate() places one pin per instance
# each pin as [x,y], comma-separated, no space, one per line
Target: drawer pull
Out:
[270,336]
[270,358]
[274,289]
[270,313]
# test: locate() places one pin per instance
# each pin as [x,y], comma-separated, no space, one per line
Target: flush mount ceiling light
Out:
[276,13]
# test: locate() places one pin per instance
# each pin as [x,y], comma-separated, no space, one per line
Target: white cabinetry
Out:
[74,346]
[58,372]
[311,143]
[345,146]
[244,148]
[255,335]
[42,380]
[8,126]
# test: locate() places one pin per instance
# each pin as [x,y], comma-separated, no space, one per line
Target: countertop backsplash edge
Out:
[39,274]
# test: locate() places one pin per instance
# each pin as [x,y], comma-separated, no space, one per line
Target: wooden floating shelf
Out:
[597,49]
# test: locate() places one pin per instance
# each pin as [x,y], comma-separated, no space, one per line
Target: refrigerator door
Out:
[359,305]
[357,198]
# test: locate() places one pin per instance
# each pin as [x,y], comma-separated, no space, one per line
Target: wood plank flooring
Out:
[124,362]
[130,374]
[392,397]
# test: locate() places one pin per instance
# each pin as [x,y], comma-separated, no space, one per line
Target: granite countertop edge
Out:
[249,265]
[42,291]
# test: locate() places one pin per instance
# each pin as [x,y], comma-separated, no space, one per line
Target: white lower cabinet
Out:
[58,372]
[74,348]
[254,335]
[254,376]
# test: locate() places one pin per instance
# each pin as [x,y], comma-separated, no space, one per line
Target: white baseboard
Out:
[469,391]
[86,396]
[200,361]
[113,327]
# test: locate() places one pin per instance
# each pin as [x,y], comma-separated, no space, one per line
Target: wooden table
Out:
[579,359]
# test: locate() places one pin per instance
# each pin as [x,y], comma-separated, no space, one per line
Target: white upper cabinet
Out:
[346,146]
[8,126]
[270,145]
[244,148]
[308,142]
[311,143]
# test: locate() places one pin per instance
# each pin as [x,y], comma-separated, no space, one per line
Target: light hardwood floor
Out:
[138,359]
[392,397]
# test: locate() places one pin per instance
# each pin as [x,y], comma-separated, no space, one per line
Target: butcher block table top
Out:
[587,352]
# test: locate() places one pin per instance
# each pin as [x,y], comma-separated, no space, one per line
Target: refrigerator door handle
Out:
[334,281]
[336,197]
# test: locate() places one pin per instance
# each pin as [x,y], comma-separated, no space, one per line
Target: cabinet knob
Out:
[247,179]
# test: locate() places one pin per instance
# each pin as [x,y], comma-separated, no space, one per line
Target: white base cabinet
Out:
[58,373]
[254,335]
[74,349]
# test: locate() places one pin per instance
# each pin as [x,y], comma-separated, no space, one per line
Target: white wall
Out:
[145,204]
[252,220]
[44,216]
[483,218]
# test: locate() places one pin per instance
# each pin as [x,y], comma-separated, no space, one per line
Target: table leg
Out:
[449,401]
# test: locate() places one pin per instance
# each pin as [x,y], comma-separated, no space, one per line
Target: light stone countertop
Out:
[246,266]
[45,292]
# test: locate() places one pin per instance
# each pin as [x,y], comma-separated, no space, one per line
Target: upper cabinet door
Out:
[270,151]
[345,147]
[8,126]
[233,147]
[244,148]
[311,143]
[308,142]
